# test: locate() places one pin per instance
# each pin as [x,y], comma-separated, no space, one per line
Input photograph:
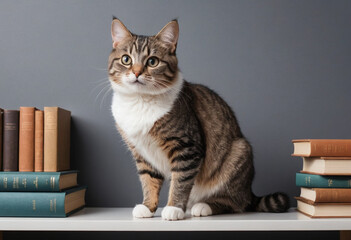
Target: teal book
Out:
[319,181]
[42,204]
[37,181]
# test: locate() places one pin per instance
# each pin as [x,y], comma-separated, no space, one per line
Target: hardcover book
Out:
[10,140]
[57,127]
[322,147]
[26,139]
[39,141]
[42,204]
[37,181]
[318,181]
[327,195]
[327,165]
[323,210]
[1,126]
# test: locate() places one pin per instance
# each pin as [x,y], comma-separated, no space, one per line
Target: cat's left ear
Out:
[169,34]
[119,32]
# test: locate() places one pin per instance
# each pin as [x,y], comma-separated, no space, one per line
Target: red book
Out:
[322,147]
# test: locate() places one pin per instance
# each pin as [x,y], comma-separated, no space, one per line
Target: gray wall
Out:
[284,67]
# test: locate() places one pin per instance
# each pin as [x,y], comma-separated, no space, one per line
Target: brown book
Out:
[1,117]
[323,210]
[327,195]
[10,140]
[57,129]
[39,141]
[322,147]
[26,139]
[327,165]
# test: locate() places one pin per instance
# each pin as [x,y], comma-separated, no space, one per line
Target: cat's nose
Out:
[137,69]
[137,74]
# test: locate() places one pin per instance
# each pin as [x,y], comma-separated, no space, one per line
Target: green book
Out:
[42,204]
[37,181]
[319,181]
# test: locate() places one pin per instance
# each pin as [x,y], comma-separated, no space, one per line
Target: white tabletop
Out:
[120,219]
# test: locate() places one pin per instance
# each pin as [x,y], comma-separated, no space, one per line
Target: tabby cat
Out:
[179,131]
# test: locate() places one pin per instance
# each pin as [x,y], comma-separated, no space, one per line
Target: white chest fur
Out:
[136,115]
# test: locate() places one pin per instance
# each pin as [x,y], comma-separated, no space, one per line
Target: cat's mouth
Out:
[137,81]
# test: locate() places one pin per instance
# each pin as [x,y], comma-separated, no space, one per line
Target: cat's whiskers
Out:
[105,83]
[99,80]
[100,69]
[181,96]
[161,83]
[105,94]
[102,90]
[101,85]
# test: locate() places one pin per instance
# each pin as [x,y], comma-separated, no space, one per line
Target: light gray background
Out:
[283,66]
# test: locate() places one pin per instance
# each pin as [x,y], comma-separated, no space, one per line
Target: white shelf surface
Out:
[120,219]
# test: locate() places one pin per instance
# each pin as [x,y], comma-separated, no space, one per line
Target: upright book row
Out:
[325,179]
[34,140]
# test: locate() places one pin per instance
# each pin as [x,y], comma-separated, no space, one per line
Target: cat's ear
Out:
[169,34]
[119,32]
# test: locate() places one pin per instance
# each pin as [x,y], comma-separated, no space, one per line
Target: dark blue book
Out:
[37,181]
[42,204]
[322,181]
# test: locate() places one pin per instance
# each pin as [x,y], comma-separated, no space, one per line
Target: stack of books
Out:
[325,179]
[35,175]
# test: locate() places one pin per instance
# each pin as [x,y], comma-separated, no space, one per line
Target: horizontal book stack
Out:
[35,176]
[325,179]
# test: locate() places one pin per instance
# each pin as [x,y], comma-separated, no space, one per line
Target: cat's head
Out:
[143,64]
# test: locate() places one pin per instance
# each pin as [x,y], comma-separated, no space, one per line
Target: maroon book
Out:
[10,140]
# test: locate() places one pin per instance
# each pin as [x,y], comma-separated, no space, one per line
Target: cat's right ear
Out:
[119,32]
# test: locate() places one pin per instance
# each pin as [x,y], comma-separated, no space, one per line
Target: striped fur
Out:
[180,131]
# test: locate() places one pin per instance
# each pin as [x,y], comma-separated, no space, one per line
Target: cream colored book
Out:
[323,210]
[327,165]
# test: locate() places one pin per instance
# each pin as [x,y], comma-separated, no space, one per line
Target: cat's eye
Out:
[126,60]
[152,62]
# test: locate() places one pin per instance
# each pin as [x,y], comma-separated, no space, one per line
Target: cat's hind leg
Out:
[201,209]
[212,206]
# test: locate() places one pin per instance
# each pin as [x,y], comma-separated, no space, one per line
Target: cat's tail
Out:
[276,202]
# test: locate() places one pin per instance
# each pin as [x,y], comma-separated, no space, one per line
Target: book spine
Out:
[50,139]
[318,181]
[1,131]
[39,141]
[26,182]
[28,204]
[63,148]
[331,195]
[331,148]
[26,139]
[10,140]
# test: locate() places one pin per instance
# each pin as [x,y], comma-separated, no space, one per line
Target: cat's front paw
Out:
[201,210]
[142,211]
[172,213]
